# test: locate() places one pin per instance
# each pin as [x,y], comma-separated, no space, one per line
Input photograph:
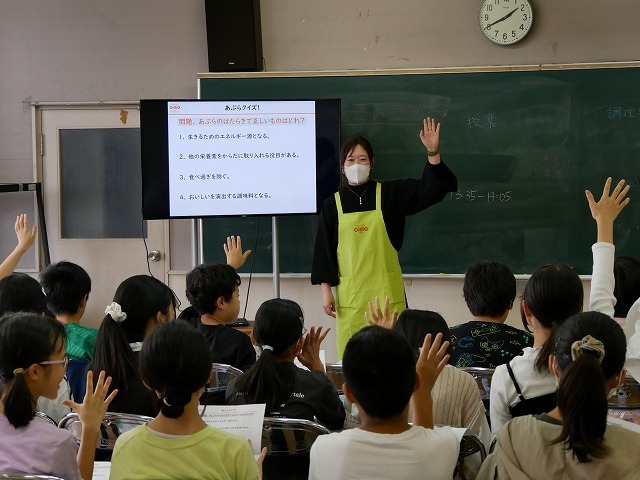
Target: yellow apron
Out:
[368,266]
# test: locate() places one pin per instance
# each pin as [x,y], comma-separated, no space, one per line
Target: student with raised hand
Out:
[573,440]
[213,291]
[67,287]
[381,376]
[489,291]
[26,237]
[32,365]
[177,443]
[288,391]
[524,385]
[139,305]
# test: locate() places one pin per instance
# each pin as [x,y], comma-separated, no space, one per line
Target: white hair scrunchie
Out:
[115,311]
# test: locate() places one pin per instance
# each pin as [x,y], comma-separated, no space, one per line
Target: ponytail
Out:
[25,339]
[278,326]
[173,401]
[582,401]
[264,382]
[542,360]
[590,349]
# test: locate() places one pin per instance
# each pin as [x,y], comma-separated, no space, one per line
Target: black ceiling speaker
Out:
[234,35]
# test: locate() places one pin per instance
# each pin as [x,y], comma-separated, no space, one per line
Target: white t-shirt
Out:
[357,454]
[532,384]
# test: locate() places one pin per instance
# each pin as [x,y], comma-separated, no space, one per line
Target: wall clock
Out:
[506,22]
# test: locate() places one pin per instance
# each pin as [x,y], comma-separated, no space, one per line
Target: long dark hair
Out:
[627,286]
[414,325]
[552,294]
[25,339]
[141,298]
[175,361]
[279,325]
[582,392]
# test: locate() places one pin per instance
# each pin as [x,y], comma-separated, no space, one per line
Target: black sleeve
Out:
[329,409]
[324,268]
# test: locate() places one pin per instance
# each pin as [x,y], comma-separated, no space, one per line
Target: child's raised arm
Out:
[233,250]
[604,212]
[309,356]
[433,358]
[26,237]
[379,317]
[91,412]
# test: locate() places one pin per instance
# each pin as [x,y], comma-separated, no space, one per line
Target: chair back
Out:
[334,373]
[288,443]
[221,375]
[22,476]
[483,379]
[628,394]
[77,376]
[471,444]
[43,416]
[113,425]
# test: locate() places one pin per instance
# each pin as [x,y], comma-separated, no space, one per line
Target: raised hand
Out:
[309,356]
[26,236]
[379,317]
[432,360]
[233,250]
[430,134]
[607,209]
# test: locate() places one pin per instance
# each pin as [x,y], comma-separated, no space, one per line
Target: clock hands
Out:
[502,19]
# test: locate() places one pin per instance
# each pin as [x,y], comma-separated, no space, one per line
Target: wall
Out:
[79,50]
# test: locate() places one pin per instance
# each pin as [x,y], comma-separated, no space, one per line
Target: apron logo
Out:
[361,229]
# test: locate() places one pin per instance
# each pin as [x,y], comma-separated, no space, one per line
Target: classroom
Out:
[123,51]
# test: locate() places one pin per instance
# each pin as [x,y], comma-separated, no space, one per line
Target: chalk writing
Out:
[480,196]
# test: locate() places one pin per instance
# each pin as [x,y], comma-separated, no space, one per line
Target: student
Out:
[139,305]
[178,443]
[287,390]
[605,282]
[32,364]
[489,291]
[456,399]
[26,237]
[67,287]
[573,440]
[381,375]
[22,293]
[213,292]
[365,220]
[524,385]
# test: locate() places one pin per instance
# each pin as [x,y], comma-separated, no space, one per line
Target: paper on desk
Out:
[634,427]
[101,470]
[243,420]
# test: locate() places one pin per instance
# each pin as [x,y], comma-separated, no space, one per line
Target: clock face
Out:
[506,22]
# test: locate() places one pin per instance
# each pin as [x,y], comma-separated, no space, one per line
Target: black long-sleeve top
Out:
[400,198]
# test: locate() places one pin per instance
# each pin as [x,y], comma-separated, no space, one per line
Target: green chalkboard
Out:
[524,145]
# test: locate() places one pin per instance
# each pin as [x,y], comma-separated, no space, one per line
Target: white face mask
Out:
[357,174]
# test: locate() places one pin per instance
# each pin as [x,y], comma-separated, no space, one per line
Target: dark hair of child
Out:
[489,289]
[21,293]
[582,391]
[207,283]
[25,339]
[626,271]
[279,324]
[175,362]
[65,285]
[141,298]
[379,368]
[347,148]
[414,325]
[552,294]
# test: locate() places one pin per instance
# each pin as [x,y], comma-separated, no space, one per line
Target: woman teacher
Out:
[361,230]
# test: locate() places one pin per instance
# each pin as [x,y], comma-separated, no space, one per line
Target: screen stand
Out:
[276,257]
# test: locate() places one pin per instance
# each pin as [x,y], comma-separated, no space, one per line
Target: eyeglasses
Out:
[64,362]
